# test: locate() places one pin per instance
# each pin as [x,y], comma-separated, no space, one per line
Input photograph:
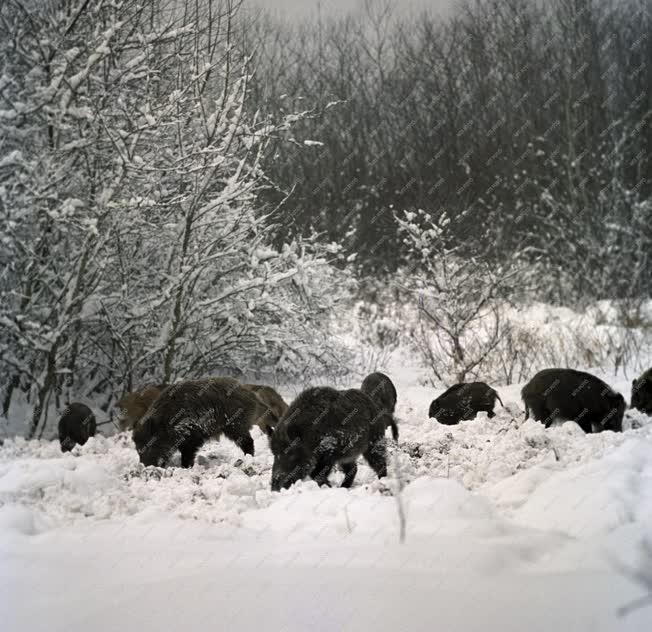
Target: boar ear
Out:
[633,382]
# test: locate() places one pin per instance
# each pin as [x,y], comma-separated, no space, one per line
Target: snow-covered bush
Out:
[473,314]
[379,316]
[541,336]
[460,296]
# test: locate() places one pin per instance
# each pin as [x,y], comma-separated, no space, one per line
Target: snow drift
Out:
[508,526]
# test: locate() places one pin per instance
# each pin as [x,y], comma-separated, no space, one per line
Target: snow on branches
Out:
[135,245]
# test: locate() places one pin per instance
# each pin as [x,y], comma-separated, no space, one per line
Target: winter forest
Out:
[214,202]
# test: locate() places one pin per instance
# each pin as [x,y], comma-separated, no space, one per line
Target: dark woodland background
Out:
[529,123]
[192,187]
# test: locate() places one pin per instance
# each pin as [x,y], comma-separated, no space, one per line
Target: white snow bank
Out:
[509,526]
[92,580]
[19,519]
[606,494]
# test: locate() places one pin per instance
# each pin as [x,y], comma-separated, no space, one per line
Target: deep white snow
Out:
[508,527]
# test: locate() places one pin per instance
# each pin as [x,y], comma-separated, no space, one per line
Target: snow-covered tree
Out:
[130,171]
[459,294]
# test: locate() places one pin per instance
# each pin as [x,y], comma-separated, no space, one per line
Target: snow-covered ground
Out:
[508,527]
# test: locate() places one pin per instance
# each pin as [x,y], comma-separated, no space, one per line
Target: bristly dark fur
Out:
[132,406]
[187,414]
[463,402]
[380,388]
[76,425]
[569,394]
[642,393]
[324,427]
[270,398]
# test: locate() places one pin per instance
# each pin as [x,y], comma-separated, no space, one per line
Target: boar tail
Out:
[500,400]
[394,430]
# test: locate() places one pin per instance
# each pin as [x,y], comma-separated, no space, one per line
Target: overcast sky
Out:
[306,7]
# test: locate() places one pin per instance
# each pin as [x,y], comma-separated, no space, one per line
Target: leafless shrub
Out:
[514,356]
[459,297]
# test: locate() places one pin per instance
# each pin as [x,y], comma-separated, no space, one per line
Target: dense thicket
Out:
[134,245]
[528,123]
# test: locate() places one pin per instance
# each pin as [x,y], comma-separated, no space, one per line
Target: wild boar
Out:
[76,425]
[133,406]
[573,395]
[642,393]
[187,414]
[464,401]
[324,427]
[383,392]
[268,396]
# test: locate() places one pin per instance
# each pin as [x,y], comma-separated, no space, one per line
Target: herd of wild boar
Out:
[325,427]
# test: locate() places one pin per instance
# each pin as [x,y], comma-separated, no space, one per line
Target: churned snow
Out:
[508,527]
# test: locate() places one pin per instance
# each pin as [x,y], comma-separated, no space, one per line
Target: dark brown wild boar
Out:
[464,401]
[573,395]
[132,406]
[324,427]
[642,393]
[76,425]
[187,414]
[271,398]
[383,392]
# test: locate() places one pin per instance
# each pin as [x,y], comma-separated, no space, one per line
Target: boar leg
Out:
[242,438]
[377,458]
[539,411]
[321,472]
[350,470]
[189,449]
